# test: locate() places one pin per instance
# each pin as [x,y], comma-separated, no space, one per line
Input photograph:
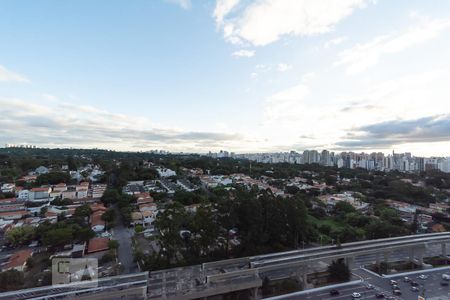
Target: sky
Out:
[237,75]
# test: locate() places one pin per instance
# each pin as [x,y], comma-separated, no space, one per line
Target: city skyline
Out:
[248,77]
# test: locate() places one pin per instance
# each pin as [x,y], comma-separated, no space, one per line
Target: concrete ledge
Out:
[415,272]
[305,292]
[371,272]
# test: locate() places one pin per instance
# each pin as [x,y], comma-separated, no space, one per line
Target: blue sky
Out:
[238,75]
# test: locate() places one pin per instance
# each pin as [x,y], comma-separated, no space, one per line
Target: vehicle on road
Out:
[334,292]
[414,283]
[370,286]
[423,276]
[414,289]
[356,295]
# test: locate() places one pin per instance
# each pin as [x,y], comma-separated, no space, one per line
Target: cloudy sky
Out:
[245,76]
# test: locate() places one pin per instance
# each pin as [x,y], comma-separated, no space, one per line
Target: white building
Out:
[23,195]
[8,188]
[163,172]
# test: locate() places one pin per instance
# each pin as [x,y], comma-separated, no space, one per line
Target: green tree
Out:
[113,244]
[170,222]
[83,211]
[109,216]
[57,237]
[11,280]
[138,228]
[19,236]
[342,208]
[53,178]
[338,271]
[110,196]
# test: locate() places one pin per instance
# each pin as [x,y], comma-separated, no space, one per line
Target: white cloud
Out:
[87,126]
[283,67]
[264,22]
[223,7]
[243,53]
[334,42]
[10,76]
[185,4]
[287,104]
[363,56]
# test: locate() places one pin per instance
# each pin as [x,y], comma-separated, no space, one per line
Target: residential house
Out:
[18,260]
[8,188]
[82,190]
[97,190]
[149,217]
[97,224]
[164,172]
[137,218]
[41,170]
[23,194]
[40,194]
[98,244]
[60,187]
[148,207]
[13,215]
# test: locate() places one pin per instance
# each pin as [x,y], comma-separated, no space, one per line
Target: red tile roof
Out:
[18,259]
[13,213]
[96,218]
[41,189]
[97,207]
[98,244]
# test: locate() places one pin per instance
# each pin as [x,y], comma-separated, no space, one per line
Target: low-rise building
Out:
[40,194]
[8,188]
[18,260]
[98,244]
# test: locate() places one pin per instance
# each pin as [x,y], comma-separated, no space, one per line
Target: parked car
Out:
[393,282]
[414,283]
[414,289]
[370,286]
[356,295]
[406,279]
[444,283]
[445,276]
[423,276]
[397,292]
[379,295]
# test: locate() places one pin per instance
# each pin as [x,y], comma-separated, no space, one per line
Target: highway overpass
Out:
[242,274]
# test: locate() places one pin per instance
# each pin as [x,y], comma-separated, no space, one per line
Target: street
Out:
[432,286]
[125,252]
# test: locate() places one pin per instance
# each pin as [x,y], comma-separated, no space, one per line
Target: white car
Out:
[423,276]
[356,295]
[445,276]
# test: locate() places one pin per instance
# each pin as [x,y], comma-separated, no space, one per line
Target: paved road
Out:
[125,253]
[432,285]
